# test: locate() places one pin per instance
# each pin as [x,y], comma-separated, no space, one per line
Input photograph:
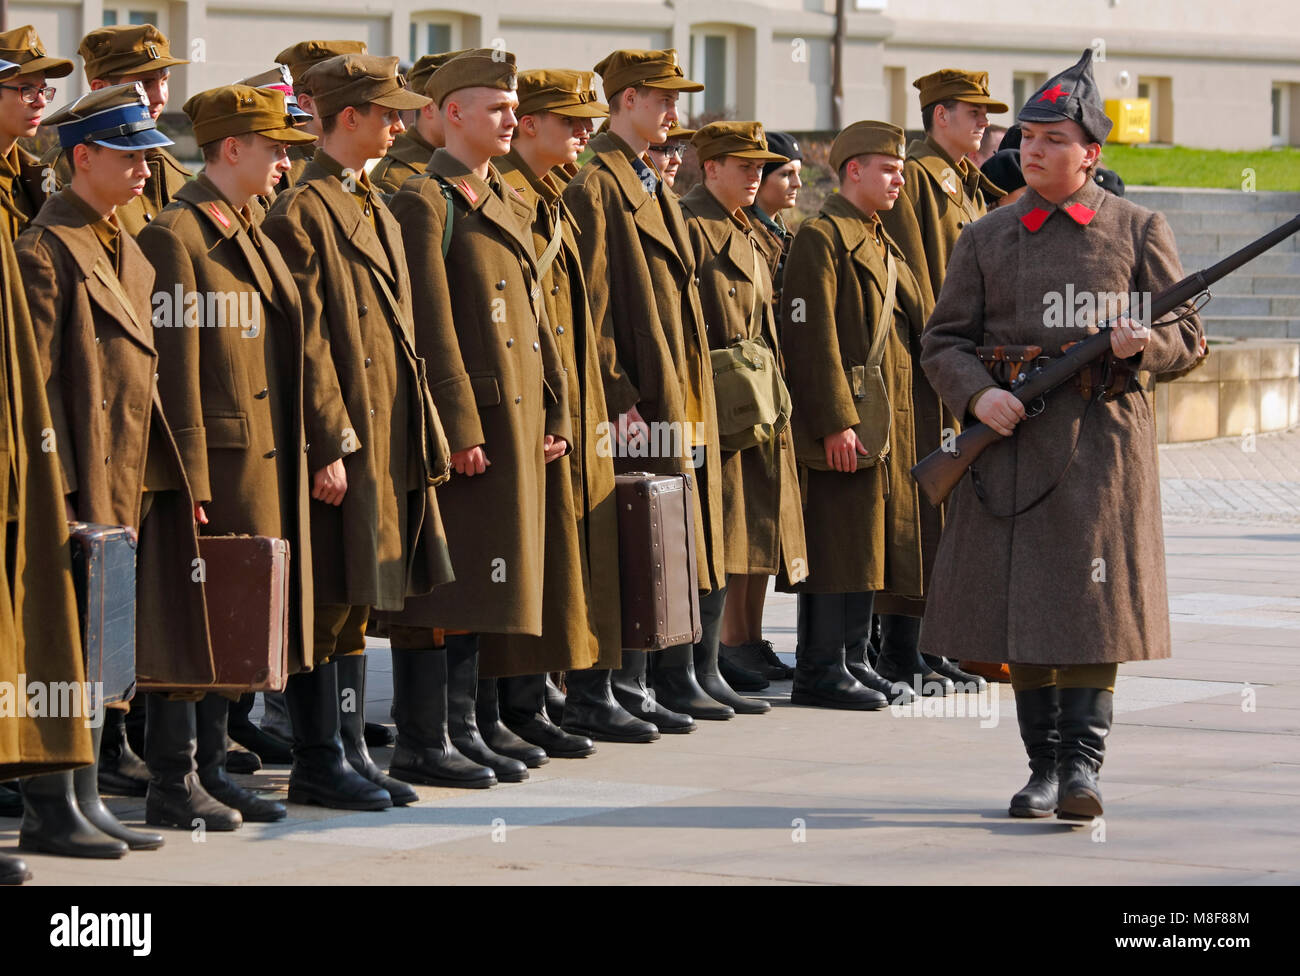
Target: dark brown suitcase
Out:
[656,559]
[247,587]
[103,575]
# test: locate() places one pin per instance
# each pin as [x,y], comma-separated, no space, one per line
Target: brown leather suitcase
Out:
[656,558]
[247,586]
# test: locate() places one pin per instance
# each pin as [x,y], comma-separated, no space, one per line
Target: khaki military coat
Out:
[39,632]
[231,383]
[366,398]
[1080,578]
[762,514]
[775,247]
[408,157]
[497,380]
[654,350]
[23,184]
[100,365]
[861,527]
[580,591]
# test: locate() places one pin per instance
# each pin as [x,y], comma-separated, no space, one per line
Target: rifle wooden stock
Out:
[938,473]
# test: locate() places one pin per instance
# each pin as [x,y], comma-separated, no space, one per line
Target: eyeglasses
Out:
[29,94]
[677,149]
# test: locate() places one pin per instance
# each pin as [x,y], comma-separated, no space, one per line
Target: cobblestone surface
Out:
[1250,480]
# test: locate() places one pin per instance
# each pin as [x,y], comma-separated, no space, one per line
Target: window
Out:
[711,62]
[1023,85]
[1278,134]
[430,37]
[127,15]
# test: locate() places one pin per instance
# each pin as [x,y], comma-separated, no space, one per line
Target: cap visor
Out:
[400,98]
[992,103]
[50,67]
[157,64]
[147,139]
[763,154]
[295,136]
[298,115]
[674,83]
[586,110]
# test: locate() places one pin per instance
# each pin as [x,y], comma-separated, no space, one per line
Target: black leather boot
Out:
[1037,712]
[523,710]
[11,799]
[54,824]
[85,785]
[632,690]
[858,620]
[271,749]
[755,662]
[321,775]
[962,680]
[176,798]
[121,771]
[352,722]
[1085,721]
[497,734]
[678,690]
[820,677]
[899,659]
[705,658]
[13,870]
[210,714]
[424,752]
[554,702]
[591,710]
[462,706]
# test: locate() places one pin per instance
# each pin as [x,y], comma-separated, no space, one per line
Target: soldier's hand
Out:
[471,461]
[632,427]
[200,516]
[1128,338]
[1000,410]
[330,483]
[554,447]
[841,449]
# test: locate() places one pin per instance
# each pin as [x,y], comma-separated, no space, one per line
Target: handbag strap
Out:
[885,323]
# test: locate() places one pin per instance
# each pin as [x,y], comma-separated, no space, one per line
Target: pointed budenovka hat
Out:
[1071,95]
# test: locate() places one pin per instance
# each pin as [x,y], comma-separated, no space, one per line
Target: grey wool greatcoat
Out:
[97,353]
[654,350]
[231,382]
[580,591]
[762,513]
[860,527]
[1080,578]
[365,397]
[497,381]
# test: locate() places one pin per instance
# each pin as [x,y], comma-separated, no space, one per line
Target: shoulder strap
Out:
[451,214]
[884,324]
[552,248]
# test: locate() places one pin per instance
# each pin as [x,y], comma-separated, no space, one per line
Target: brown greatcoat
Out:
[366,399]
[580,592]
[775,248]
[762,514]
[39,640]
[409,156]
[1079,579]
[654,351]
[232,388]
[497,380]
[938,199]
[861,527]
[22,190]
[101,373]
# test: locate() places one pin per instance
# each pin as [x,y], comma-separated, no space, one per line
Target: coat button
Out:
[372,411]
[509,343]
[261,394]
[367,362]
[555,289]
[961,224]
[97,343]
[306,448]
[103,404]
[536,346]
[107,459]
[697,280]
[155,377]
[501,285]
[517,399]
[732,291]
[362,309]
[559,330]
[270,454]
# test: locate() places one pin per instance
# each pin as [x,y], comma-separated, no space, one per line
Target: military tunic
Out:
[408,157]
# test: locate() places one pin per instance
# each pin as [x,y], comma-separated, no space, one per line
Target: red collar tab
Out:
[466,189]
[1034,219]
[1081,214]
[215,212]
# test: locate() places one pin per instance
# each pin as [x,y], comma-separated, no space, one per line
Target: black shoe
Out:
[424,752]
[462,704]
[554,702]
[705,662]
[321,775]
[352,675]
[632,691]
[13,870]
[741,679]
[820,677]
[121,771]
[212,760]
[678,690]
[176,798]
[1086,715]
[592,711]
[270,749]
[899,662]
[962,680]
[496,734]
[379,736]
[11,800]
[241,762]
[523,710]
[54,824]
[757,658]
[85,786]
[1037,712]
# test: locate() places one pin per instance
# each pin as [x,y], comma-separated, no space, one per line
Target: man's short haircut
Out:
[927,113]
[616,100]
[212,150]
[328,123]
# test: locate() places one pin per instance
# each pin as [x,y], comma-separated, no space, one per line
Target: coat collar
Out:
[615,155]
[494,199]
[857,231]
[352,223]
[411,147]
[215,210]
[1033,210]
[724,235]
[958,180]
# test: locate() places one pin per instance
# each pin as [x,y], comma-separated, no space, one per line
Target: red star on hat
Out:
[1053,93]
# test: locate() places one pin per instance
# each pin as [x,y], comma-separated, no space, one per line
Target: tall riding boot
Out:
[523,710]
[424,752]
[677,688]
[820,677]
[705,658]
[857,630]
[1085,721]
[275,715]
[899,659]
[496,734]
[11,799]
[85,785]
[321,774]
[121,771]
[134,722]
[352,729]
[962,680]
[176,797]
[462,721]
[1037,711]
[270,748]
[13,870]
[210,714]
[54,824]
[554,701]
[591,710]
[632,690]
